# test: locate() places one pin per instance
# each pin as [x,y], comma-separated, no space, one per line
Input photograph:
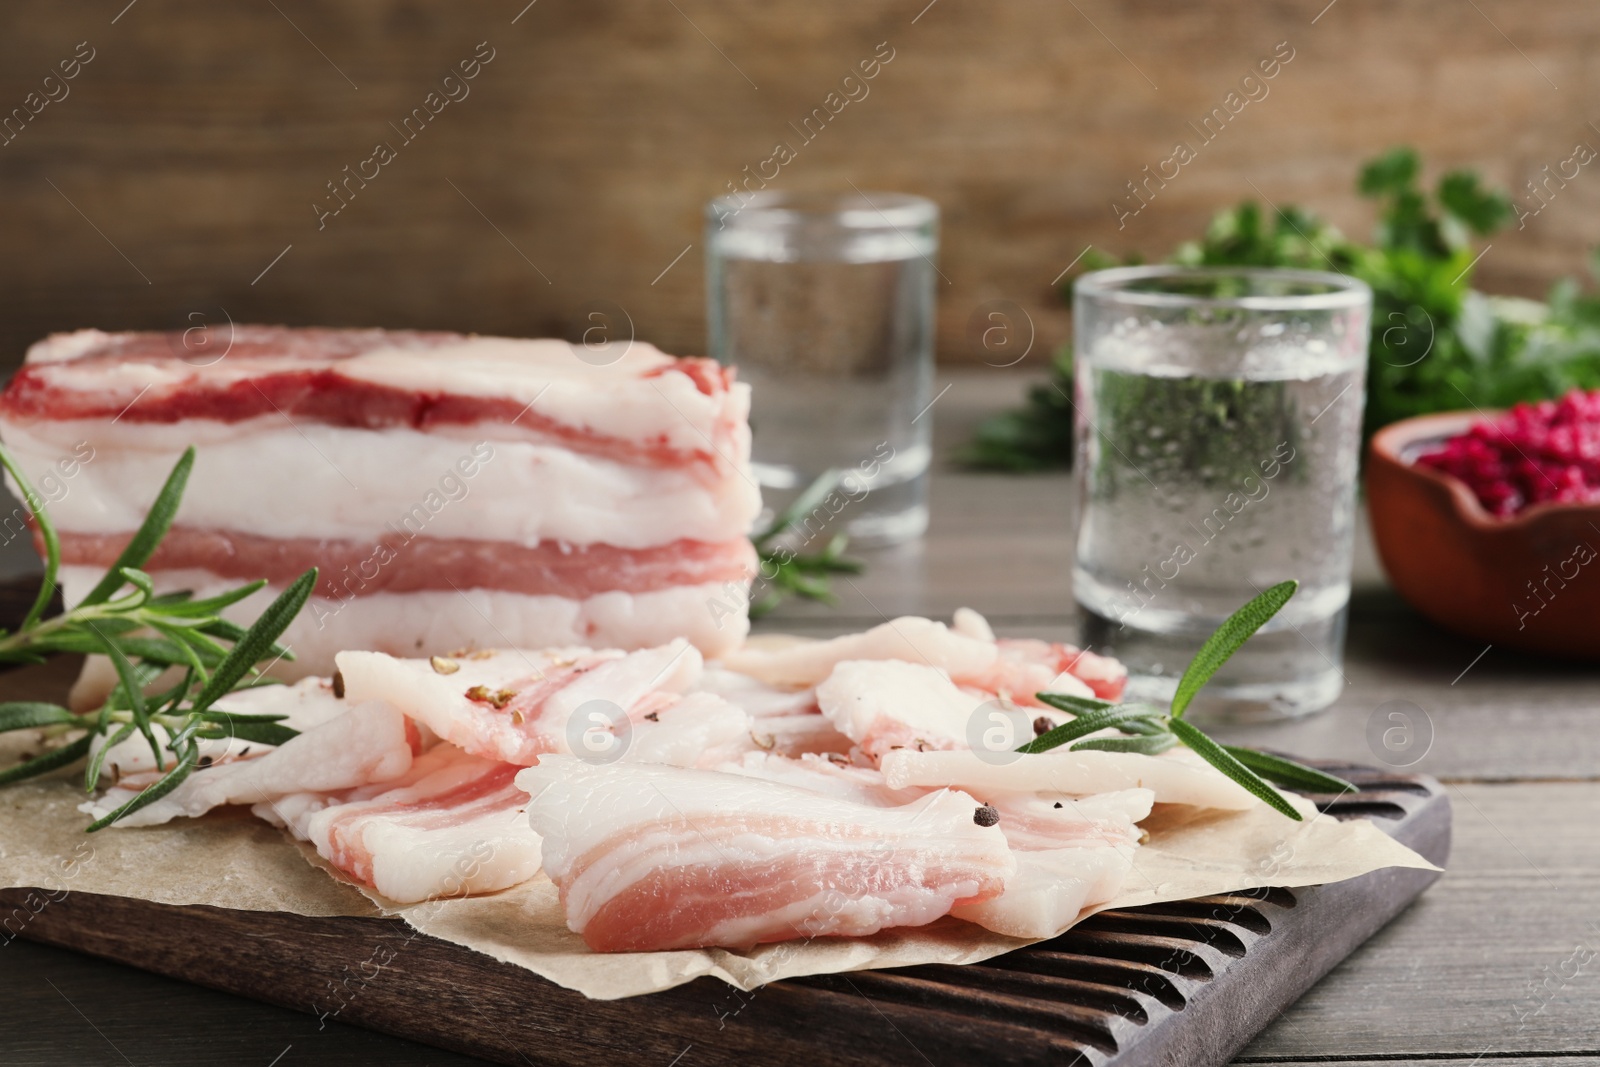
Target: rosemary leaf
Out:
[157,521]
[1233,632]
[168,782]
[232,631]
[25,714]
[1219,758]
[807,502]
[1147,745]
[265,733]
[131,688]
[1074,705]
[249,648]
[179,604]
[47,533]
[216,715]
[60,757]
[91,773]
[786,573]
[179,644]
[139,580]
[1288,773]
[1086,724]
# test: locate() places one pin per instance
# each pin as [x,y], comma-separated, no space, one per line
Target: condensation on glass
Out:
[1218,437]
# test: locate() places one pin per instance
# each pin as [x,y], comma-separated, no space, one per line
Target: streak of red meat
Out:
[680,906]
[489,792]
[320,392]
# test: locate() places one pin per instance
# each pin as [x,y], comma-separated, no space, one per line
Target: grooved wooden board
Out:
[1187,982]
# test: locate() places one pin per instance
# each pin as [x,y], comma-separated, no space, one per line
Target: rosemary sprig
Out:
[144,636]
[1150,731]
[787,573]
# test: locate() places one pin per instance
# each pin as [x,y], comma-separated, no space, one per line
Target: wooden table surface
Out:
[1499,963]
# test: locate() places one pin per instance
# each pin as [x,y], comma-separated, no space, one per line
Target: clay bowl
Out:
[1530,582]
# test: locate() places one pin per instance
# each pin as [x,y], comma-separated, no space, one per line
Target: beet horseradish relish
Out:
[1547,452]
[452,490]
[1219,418]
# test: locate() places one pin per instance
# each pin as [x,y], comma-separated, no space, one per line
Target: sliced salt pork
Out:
[453,826]
[454,490]
[367,743]
[650,858]
[513,705]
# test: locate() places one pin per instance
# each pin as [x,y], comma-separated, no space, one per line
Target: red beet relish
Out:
[1534,453]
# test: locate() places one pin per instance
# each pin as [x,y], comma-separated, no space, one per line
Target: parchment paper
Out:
[231,860]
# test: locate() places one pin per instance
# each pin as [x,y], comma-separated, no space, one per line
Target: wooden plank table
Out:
[1498,963]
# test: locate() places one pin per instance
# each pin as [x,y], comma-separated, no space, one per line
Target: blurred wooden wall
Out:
[189,152]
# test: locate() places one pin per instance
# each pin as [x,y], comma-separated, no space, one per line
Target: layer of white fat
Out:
[294,811]
[605,393]
[311,480]
[306,704]
[623,682]
[440,857]
[754,696]
[969,623]
[1036,821]
[431,622]
[1173,777]
[702,730]
[649,816]
[797,735]
[490,852]
[829,913]
[796,664]
[616,392]
[1050,890]
[870,698]
[368,743]
[786,722]
[818,774]
[440,700]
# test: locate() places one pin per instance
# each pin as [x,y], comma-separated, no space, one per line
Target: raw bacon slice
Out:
[514,706]
[452,490]
[388,380]
[1037,822]
[785,722]
[701,730]
[1071,853]
[456,827]
[883,705]
[305,705]
[801,663]
[834,777]
[1025,667]
[367,743]
[967,651]
[1049,891]
[651,858]
[1176,777]
[1030,821]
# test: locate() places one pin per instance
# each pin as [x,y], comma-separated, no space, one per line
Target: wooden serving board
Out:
[1181,983]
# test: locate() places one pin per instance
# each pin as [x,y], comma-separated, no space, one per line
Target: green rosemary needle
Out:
[1150,731]
[785,572]
[145,636]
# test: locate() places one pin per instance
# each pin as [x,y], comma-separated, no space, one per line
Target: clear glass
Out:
[825,304]
[1218,437]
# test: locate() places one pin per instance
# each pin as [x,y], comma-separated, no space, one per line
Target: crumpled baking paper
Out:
[231,860]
